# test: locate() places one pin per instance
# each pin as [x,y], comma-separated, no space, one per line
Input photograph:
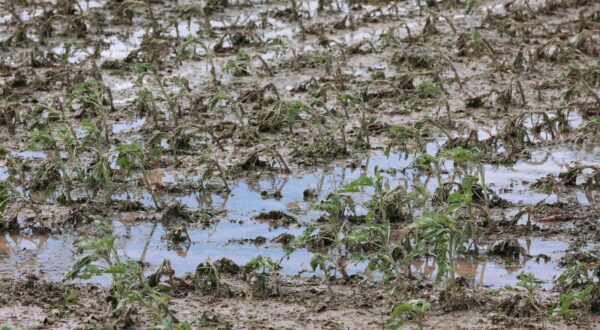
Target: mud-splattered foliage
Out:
[290,164]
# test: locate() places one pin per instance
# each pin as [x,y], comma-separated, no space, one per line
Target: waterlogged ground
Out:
[249,116]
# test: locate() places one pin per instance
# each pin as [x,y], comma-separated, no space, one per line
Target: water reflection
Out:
[498,272]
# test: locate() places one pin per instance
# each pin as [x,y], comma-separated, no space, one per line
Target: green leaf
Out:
[460,155]
[362,181]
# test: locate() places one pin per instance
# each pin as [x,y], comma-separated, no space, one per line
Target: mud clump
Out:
[277,218]
[9,225]
[130,206]
[510,248]
[226,266]
[176,213]
[518,306]
[259,240]
[284,239]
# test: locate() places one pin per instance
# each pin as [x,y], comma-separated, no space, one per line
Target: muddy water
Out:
[52,255]
[22,254]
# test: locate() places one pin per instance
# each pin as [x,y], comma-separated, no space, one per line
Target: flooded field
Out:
[303,164]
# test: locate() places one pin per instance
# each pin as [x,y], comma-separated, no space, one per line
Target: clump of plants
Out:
[130,288]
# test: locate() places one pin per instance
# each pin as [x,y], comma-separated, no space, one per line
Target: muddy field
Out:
[352,164]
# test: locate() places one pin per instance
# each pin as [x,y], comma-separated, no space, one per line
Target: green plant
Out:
[444,238]
[384,205]
[146,69]
[240,65]
[428,89]
[335,208]
[206,277]
[416,307]
[575,276]
[530,284]
[131,156]
[575,304]
[258,271]
[170,324]
[95,96]
[322,262]
[130,286]
[97,174]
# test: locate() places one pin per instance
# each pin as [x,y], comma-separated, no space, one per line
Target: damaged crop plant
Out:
[347,164]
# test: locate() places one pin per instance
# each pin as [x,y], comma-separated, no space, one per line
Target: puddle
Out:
[497,272]
[122,45]
[128,126]
[247,199]
[143,242]
[31,154]
[542,162]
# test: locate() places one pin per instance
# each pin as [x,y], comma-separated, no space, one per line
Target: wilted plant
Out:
[207,277]
[98,174]
[11,192]
[130,286]
[403,137]
[178,236]
[145,69]
[132,157]
[93,94]
[259,271]
[445,239]
[45,140]
[130,5]
[213,167]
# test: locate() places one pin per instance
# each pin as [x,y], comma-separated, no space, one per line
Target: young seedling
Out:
[531,285]
[132,157]
[575,304]
[93,94]
[129,285]
[258,271]
[145,69]
[98,174]
[207,278]
[445,238]
[415,307]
